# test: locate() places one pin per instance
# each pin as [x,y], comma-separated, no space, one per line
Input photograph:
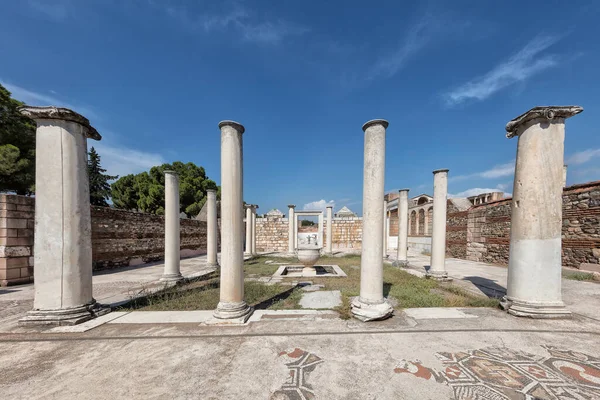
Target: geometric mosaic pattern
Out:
[300,364]
[499,373]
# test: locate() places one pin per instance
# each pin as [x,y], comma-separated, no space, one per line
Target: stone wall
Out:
[346,233]
[16,239]
[272,234]
[456,231]
[488,236]
[124,237]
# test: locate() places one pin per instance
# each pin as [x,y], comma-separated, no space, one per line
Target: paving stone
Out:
[321,299]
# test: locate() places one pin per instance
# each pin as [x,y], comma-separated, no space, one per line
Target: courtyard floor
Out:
[424,353]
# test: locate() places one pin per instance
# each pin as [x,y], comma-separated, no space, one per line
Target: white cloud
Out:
[498,171]
[238,19]
[473,192]
[520,67]
[118,160]
[582,157]
[319,205]
[33,98]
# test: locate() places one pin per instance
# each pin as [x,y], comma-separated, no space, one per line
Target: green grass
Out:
[408,290]
[579,276]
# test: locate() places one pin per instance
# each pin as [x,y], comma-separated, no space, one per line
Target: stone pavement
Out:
[580,297]
[438,353]
[110,287]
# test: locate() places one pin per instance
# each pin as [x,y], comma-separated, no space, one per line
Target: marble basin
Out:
[308,258]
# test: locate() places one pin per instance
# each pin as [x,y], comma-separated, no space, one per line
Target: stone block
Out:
[5,232]
[8,206]
[8,274]
[14,251]
[13,223]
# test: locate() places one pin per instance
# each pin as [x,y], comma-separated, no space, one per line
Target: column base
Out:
[213,265]
[235,313]
[172,278]
[64,316]
[400,263]
[441,276]
[371,312]
[548,310]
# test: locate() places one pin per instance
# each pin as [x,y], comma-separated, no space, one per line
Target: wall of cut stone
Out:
[16,239]
[272,234]
[346,233]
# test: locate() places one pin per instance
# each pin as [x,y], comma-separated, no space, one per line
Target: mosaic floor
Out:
[500,373]
[495,373]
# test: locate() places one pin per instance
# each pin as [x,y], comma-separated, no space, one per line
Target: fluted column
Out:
[291,229]
[534,266]
[63,243]
[231,303]
[371,305]
[402,251]
[172,271]
[248,251]
[211,228]
[329,230]
[437,268]
[254,207]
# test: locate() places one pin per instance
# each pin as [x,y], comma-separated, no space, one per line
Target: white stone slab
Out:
[164,317]
[299,273]
[91,324]
[321,299]
[290,314]
[437,313]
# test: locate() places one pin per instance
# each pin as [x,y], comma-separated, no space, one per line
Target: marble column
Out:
[232,306]
[535,265]
[565,175]
[385,230]
[63,243]
[291,229]
[329,231]
[248,251]
[254,208]
[371,305]
[437,268]
[402,251]
[172,271]
[211,229]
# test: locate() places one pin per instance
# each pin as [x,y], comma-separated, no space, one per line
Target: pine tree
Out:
[99,186]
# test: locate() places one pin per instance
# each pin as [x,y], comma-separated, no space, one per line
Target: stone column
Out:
[385,231]
[328,246]
[248,251]
[231,305]
[371,305]
[63,243]
[565,175]
[534,266]
[402,251]
[321,230]
[291,229]
[254,208]
[437,269]
[211,228]
[172,272]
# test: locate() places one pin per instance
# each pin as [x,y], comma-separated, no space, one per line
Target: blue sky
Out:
[155,78]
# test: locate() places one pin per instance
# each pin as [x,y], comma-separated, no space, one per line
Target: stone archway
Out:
[413,223]
[421,229]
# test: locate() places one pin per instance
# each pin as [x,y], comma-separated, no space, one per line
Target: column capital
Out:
[235,125]
[291,206]
[547,112]
[171,172]
[403,190]
[373,122]
[437,171]
[59,113]
[211,191]
[329,207]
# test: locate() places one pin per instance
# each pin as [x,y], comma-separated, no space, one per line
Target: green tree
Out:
[17,147]
[306,222]
[146,191]
[99,186]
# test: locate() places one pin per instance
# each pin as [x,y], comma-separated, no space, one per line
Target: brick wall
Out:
[346,233]
[456,231]
[16,239]
[488,235]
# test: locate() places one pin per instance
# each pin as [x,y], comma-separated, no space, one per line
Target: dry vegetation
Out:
[408,290]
